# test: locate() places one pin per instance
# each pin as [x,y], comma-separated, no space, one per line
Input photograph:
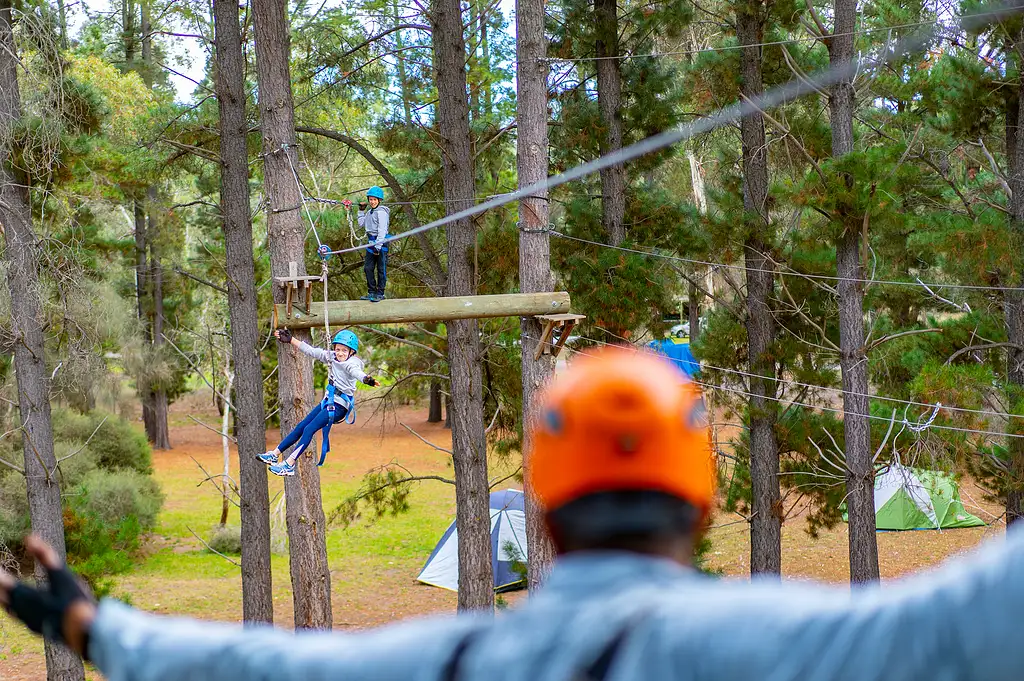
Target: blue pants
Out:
[309,426]
[375,266]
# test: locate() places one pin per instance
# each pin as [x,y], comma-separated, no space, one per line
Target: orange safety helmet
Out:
[618,420]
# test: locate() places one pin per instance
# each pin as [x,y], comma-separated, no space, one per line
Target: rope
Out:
[782,94]
[302,195]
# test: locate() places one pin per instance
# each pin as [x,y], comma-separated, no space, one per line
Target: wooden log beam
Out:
[403,310]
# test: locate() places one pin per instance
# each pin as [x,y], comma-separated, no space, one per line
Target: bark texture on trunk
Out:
[257,591]
[160,434]
[853,362]
[434,415]
[766,523]
[311,578]
[1013,304]
[21,253]
[534,245]
[469,444]
[609,103]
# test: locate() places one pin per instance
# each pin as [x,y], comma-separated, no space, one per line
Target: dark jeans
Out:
[376,263]
[308,427]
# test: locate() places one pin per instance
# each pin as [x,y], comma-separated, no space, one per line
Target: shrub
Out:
[73,470]
[113,496]
[227,539]
[117,443]
[98,550]
[14,518]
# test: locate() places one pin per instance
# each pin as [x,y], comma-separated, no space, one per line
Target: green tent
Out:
[919,499]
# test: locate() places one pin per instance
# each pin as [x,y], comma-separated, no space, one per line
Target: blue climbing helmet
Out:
[348,339]
[375,192]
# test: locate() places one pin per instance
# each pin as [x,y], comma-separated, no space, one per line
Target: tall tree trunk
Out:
[128,36]
[1013,304]
[609,103]
[161,435]
[487,101]
[21,254]
[257,592]
[469,443]
[143,299]
[311,577]
[696,297]
[403,79]
[534,244]
[146,28]
[860,476]
[434,415]
[229,81]
[225,441]
[766,520]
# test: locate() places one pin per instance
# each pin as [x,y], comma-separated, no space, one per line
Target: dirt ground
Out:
[373,567]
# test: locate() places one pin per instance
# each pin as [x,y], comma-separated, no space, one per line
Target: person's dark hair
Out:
[641,521]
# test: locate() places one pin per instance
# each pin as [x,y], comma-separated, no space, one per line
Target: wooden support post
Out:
[298,291]
[564,322]
[405,310]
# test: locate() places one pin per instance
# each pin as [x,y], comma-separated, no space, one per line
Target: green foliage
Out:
[227,539]
[99,550]
[111,496]
[383,491]
[116,443]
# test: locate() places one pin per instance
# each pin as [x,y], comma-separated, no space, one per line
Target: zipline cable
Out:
[726,116]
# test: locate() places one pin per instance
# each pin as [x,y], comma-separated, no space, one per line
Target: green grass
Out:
[373,564]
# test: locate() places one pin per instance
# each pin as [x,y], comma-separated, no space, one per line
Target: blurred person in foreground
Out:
[622,466]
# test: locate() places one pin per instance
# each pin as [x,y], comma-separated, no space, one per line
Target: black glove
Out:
[370,381]
[362,205]
[43,610]
[285,336]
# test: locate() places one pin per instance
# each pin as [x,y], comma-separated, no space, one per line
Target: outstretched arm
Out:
[959,622]
[129,645]
[285,336]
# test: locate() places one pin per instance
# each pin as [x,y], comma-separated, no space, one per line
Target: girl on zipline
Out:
[345,369]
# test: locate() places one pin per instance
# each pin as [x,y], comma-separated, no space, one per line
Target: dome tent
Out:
[919,499]
[508,531]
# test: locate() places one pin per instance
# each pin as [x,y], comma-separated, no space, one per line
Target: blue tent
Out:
[679,353]
[508,528]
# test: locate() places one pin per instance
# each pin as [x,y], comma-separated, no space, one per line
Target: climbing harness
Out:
[331,406]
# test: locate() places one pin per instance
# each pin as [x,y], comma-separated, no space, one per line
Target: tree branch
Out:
[211,549]
[982,346]
[439,275]
[426,441]
[201,281]
[893,336]
[429,349]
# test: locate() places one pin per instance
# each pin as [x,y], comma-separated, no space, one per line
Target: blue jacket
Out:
[956,624]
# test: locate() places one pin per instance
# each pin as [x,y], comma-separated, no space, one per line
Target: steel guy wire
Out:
[782,94]
[769,43]
[835,410]
[302,194]
[896,400]
[793,273]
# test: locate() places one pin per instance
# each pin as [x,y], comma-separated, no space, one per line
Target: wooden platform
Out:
[403,310]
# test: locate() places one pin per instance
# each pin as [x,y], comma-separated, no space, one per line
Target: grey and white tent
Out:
[508,529]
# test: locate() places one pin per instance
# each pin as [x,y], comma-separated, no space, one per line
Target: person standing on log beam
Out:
[375,222]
